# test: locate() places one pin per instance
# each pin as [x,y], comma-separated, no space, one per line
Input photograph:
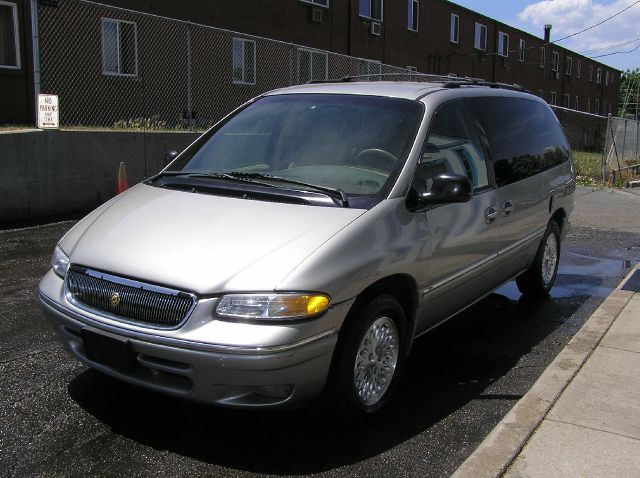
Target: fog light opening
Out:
[273,391]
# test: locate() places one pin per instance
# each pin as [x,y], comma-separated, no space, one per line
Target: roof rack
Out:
[411,74]
[490,84]
[449,81]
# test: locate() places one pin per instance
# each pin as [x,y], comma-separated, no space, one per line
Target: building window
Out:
[589,104]
[577,106]
[607,78]
[119,48]
[579,72]
[312,65]
[599,76]
[9,38]
[553,98]
[244,61]
[566,100]
[568,66]
[521,50]
[454,32]
[555,61]
[597,106]
[371,9]
[480,41]
[503,44]
[412,20]
[590,72]
[320,3]
[543,56]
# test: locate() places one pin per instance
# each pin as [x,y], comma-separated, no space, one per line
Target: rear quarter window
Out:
[524,137]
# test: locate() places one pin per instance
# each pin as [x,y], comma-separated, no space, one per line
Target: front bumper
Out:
[275,375]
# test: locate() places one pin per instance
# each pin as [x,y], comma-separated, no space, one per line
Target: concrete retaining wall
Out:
[51,173]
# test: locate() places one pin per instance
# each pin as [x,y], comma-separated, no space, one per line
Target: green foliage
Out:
[141,123]
[628,95]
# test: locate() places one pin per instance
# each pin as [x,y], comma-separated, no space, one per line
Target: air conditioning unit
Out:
[557,75]
[316,15]
[375,28]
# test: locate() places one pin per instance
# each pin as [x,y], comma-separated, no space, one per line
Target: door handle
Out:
[507,208]
[490,214]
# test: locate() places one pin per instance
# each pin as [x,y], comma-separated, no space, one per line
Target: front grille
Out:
[128,300]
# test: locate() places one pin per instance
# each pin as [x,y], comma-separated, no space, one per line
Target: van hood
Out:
[200,243]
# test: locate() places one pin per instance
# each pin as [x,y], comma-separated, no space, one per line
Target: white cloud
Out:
[570,16]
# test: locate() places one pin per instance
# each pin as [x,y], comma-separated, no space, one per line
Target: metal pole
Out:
[605,156]
[637,120]
[189,81]
[624,141]
[35,39]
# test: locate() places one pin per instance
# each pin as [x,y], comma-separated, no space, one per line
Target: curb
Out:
[498,450]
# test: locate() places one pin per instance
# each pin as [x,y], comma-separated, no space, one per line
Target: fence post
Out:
[637,136]
[624,140]
[605,156]
[189,79]
[291,63]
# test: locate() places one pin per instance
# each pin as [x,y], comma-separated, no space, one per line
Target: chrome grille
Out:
[128,300]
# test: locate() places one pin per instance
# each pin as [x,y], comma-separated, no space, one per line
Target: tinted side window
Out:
[524,136]
[453,146]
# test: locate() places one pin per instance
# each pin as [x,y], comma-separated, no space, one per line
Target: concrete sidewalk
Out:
[582,417]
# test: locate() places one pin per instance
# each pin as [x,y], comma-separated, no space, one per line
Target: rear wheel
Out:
[369,358]
[540,277]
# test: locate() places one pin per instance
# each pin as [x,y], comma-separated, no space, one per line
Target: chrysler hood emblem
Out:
[115,299]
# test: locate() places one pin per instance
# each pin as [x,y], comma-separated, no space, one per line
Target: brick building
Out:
[92,54]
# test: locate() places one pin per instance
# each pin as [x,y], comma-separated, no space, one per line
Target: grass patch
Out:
[588,168]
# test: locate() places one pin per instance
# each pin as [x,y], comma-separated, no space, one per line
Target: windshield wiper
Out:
[335,193]
[215,175]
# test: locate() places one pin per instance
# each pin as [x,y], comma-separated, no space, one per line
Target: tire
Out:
[540,277]
[364,376]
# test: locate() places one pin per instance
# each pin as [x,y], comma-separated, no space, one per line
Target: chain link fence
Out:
[587,135]
[621,153]
[115,68]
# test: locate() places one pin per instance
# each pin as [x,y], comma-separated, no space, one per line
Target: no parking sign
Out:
[48,112]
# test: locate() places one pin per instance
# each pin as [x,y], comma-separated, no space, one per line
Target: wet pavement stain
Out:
[60,418]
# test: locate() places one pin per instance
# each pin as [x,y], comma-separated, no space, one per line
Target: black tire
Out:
[342,394]
[540,277]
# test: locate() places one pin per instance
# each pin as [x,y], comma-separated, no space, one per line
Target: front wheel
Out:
[369,358]
[540,277]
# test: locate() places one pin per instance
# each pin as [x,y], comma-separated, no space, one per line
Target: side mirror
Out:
[170,156]
[446,189]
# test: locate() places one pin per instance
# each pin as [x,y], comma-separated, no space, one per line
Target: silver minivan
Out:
[299,247]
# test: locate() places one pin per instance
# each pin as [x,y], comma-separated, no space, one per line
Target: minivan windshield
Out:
[352,143]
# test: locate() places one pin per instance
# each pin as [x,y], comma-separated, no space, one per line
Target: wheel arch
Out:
[401,286]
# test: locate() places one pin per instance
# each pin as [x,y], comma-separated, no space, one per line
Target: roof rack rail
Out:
[411,74]
[449,81]
[490,84]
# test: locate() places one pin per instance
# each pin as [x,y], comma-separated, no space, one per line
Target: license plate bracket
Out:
[109,350]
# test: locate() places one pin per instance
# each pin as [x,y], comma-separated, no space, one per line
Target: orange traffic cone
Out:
[123,183]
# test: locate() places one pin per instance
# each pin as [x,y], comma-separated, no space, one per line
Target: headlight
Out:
[272,306]
[60,262]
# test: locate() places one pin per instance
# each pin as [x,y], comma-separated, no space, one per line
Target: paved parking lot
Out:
[58,418]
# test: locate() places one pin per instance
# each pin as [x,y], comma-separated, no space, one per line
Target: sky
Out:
[570,16]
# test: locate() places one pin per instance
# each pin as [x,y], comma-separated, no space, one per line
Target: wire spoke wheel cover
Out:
[549,259]
[376,361]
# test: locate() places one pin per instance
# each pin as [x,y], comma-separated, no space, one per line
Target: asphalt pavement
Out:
[58,418]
